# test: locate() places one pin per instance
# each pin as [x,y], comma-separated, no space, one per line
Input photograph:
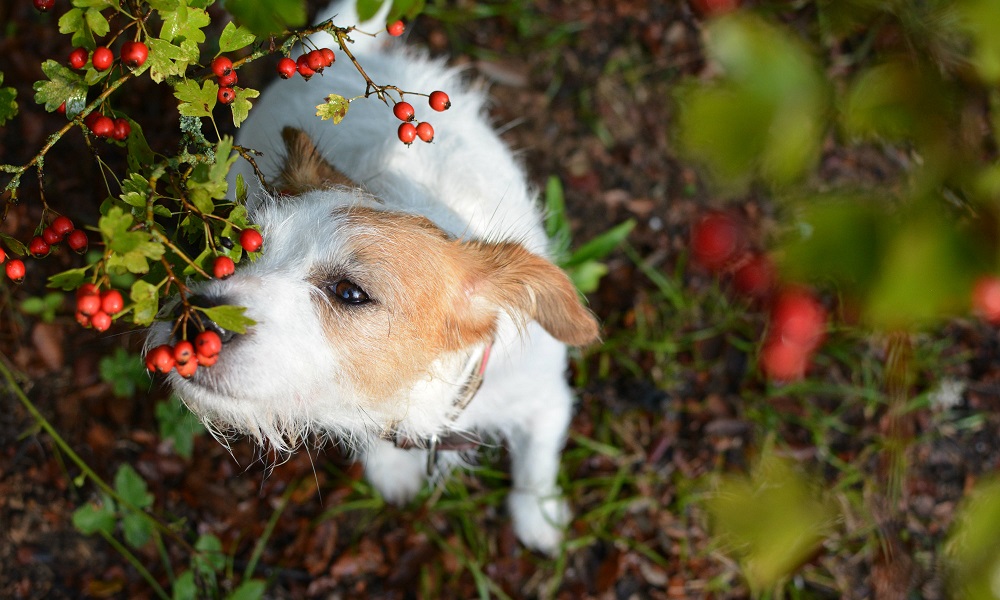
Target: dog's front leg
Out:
[537,507]
[397,474]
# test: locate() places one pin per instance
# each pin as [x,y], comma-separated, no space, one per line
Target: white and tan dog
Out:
[391,282]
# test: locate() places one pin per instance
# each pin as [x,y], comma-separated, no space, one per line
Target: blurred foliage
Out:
[915,82]
[973,559]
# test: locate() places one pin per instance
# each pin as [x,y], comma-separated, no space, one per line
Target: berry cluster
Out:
[719,243]
[185,356]
[60,229]
[410,129]
[226,76]
[94,307]
[133,55]
[307,65]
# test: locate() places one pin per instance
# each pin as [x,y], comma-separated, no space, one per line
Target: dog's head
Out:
[357,306]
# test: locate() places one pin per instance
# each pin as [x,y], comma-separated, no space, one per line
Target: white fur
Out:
[283,382]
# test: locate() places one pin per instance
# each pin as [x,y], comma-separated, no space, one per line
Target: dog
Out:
[404,299]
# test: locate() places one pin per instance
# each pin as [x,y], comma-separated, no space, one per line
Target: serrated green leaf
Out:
[334,109]
[248,590]
[68,280]
[135,190]
[241,105]
[166,59]
[98,4]
[8,106]
[146,297]
[97,22]
[130,250]
[195,100]
[185,23]
[234,38]
[229,317]
[73,21]
[132,487]
[266,17]
[92,518]
[164,5]
[63,85]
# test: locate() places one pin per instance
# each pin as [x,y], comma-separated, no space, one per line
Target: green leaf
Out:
[179,425]
[8,105]
[73,21]
[229,317]
[335,108]
[13,244]
[97,22]
[137,529]
[166,59]
[234,38]
[367,9]
[408,9]
[124,371]
[63,85]
[185,23]
[209,558]
[248,590]
[140,155]
[130,250]
[241,104]
[978,18]
[602,245]
[971,557]
[92,518]
[196,101]
[135,190]
[69,280]
[266,17]
[587,276]
[185,587]
[132,487]
[146,297]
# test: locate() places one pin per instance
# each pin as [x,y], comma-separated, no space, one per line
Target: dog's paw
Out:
[539,520]
[397,474]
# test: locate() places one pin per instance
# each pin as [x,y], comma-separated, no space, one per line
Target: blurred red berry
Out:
[716,240]
[755,277]
[88,304]
[3,256]
[396,28]
[160,359]
[112,302]
[986,298]
[798,319]
[15,270]
[251,240]
[439,101]
[187,369]
[121,130]
[43,5]
[50,236]
[712,8]
[784,362]
[100,321]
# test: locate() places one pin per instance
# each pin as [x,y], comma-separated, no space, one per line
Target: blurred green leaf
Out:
[973,562]
[92,518]
[146,298]
[241,104]
[124,371]
[248,590]
[602,245]
[772,520]
[8,103]
[266,17]
[979,19]
[179,425]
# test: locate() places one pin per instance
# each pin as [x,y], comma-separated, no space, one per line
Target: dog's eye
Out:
[348,292]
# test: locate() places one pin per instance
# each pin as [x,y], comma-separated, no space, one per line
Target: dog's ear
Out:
[523,283]
[305,168]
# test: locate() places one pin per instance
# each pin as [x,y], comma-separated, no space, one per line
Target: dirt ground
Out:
[582,90]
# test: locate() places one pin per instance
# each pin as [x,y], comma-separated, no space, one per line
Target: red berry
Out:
[302,66]
[183,352]
[784,362]
[228,80]
[716,240]
[43,5]
[78,58]
[188,369]
[62,225]
[206,361]
[103,126]
[226,95]
[51,237]
[82,319]
[87,289]
[754,277]
[15,270]
[439,101]
[160,359]
[328,56]
[251,240]
[38,247]
[122,129]
[62,109]
[89,304]
[316,60]
[798,319]
[134,54]
[3,256]
[77,240]
[223,267]
[100,321]
[286,67]
[222,66]
[396,28]
[407,133]
[986,298]
[403,111]
[207,344]
[102,58]
[425,131]
[712,8]
[112,302]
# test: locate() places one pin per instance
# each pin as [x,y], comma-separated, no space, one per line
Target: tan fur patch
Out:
[305,169]
[433,295]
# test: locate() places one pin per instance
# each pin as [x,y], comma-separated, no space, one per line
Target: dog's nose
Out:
[199,321]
